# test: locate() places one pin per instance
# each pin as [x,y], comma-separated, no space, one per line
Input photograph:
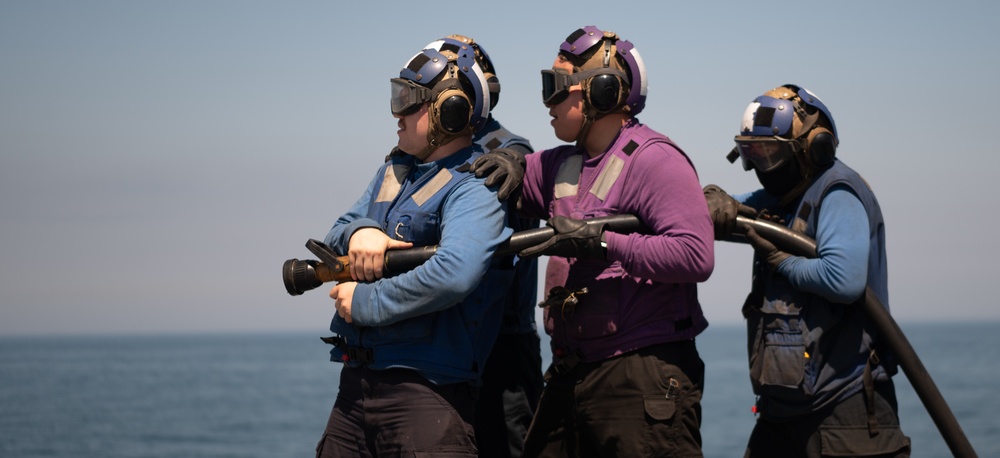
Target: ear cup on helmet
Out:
[604,92]
[822,147]
[454,110]
[494,84]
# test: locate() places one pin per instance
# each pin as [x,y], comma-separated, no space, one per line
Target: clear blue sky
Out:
[160,160]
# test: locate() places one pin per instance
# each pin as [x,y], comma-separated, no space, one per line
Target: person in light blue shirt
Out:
[841,272]
[414,344]
[822,377]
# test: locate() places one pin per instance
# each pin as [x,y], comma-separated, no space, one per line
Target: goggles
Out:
[765,153]
[407,96]
[556,83]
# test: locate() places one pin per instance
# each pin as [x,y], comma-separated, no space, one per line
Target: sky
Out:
[159,161]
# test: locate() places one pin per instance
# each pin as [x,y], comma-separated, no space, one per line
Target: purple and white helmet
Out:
[583,40]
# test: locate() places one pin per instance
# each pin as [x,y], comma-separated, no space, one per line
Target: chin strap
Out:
[806,167]
[797,191]
[599,60]
[426,152]
[436,138]
[581,137]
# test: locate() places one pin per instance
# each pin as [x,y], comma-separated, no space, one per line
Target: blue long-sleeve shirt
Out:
[472,226]
[839,273]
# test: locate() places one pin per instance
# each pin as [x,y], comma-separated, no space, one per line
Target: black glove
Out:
[501,166]
[573,239]
[723,209]
[765,249]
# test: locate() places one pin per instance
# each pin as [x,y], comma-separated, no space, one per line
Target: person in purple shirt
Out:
[622,308]
[823,381]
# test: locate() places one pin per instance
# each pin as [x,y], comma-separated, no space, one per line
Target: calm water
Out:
[269,395]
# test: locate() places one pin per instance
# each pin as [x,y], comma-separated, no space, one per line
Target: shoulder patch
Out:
[493,144]
[630,147]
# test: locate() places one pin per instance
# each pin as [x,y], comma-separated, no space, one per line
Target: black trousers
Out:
[512,385]
[842,430]
[397,412]
[646,403]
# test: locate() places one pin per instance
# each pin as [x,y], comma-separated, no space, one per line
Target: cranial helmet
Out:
[448,77]
[784,123]
[482,58]
[787,136]
[610,69]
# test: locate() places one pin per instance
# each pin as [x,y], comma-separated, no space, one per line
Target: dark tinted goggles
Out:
[407,96]
[765,153]
[556,83]
[555,86]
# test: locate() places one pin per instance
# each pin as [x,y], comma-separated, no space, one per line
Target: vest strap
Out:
[568,177]
[564,366]
[869,383]
[391,182]
[609,174]
[356,354]
[438,182]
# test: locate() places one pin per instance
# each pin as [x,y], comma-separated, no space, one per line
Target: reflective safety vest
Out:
[447,345]
[806,352]
[618,312]
[495,136]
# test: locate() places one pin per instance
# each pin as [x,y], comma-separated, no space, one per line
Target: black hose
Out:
[889,332]
[623,224]
[404,260]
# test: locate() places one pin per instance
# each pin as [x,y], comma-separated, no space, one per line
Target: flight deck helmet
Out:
[784,123]
[452,82]
[610,69]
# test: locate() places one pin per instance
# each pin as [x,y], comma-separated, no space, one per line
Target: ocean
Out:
[269,395]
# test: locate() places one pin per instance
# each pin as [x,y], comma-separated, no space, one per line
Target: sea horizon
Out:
[268,394]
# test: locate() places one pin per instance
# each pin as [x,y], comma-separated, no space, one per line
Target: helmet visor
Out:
[407,96]
[765,153]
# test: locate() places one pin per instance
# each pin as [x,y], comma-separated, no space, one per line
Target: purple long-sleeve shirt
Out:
[645,292]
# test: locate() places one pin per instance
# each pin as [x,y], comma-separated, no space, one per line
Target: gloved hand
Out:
[501,166]
[765,249]
[573,239]
[723,209]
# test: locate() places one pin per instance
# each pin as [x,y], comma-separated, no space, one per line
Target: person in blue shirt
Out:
[414,344]
[512,379]
[822,379]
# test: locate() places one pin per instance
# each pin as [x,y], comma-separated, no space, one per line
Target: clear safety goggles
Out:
[556,83]
[407,96]
[765,153]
